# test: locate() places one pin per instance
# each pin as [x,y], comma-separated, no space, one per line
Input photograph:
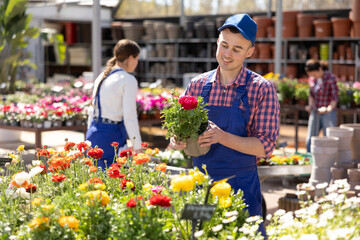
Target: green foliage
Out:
[302,91]
[286,88]
[184,123]
[345,94]
[15,34]
[356,96]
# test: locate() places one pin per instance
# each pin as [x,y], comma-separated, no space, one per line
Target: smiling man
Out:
[244,113]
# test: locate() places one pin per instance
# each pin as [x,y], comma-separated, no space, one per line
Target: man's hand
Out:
[213,135]
[174,144]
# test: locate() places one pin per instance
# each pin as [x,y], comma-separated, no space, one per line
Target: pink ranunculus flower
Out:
[356,85]
[157,189]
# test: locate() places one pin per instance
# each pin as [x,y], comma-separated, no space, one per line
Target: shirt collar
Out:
[239,80]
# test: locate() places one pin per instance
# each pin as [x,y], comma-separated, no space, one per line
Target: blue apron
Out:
[221,161]
[103,134]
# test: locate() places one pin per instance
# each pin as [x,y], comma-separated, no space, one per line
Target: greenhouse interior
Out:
[137,119]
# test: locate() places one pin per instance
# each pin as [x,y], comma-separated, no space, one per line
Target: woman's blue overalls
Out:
[103,134]
[221,161]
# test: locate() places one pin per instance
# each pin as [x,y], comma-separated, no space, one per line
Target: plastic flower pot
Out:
[193,148]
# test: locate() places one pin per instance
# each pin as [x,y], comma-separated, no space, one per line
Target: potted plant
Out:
[345,95]
[302,93]
[14,36]
[186,118]
[286,88]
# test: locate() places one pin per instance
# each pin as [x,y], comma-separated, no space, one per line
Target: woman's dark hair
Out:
[122,51]
[312,65]
[324,65]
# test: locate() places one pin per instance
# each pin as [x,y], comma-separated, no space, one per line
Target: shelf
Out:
[164,75]
[324,39]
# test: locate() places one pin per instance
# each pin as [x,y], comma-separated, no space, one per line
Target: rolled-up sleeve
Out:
[334,89]
[265,126]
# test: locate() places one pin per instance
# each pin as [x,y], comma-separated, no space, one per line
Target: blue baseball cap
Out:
[244,23]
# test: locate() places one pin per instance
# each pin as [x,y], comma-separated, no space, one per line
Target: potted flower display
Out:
[186,118]
[302,93]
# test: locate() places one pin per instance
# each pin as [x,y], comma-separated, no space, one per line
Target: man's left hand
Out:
[213,135]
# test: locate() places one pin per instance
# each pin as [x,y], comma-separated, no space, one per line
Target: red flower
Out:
[115,144]
[114,172]
[44,167]
[144,145]
[78,154]
[68,146]
[118,165]
[95,180]
[58,177]
[131,203]
[160,200]
[30,188]
[124,183]
[188,102]
[96,153]
[82,146]
[44,152]
[126,153]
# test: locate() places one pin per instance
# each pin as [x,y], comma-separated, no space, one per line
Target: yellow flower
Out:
[48,207]
[13,156]
[156,150]
[199,177]
[99,196]
[225,202]
[99,186]
[84,186]
[37,201]
[149,151]
[182,183]
[147,187]
[39,222]
[221,189]
[71,221]
[51,150]
[21,148]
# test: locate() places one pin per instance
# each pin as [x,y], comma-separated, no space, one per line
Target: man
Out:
[243,109]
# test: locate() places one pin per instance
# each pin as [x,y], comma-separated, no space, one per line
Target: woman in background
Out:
[323,99]
[113,116]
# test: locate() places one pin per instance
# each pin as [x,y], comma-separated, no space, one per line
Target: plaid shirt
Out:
[263,102]
[324,91]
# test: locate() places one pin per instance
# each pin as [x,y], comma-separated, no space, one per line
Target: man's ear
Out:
[250,52]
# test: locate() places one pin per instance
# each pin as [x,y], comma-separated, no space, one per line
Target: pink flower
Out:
[157,189]
[356,85]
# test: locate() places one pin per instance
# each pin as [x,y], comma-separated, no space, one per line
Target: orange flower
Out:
[121,160]
[93,169]
[60,162]
[95,180]
[141,158]
[58,177]
[156,150]
[71,221]
[39,222]
[149,151]
[161,167]
[87,161]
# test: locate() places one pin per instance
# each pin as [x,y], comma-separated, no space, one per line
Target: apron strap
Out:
[241,96]
[205,92]
[97,97]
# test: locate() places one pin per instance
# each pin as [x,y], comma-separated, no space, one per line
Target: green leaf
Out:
[14,8]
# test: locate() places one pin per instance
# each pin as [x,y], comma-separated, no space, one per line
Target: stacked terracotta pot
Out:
[305,25]
[322,27]
[263,23]
[341,26]
[354,16]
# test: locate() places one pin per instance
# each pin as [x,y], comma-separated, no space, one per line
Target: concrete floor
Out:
[272,188]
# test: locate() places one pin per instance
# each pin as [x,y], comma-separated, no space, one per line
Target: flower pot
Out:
[193,148]
[264,50]
[341,26]
[47,124]
[263,23]
[322,28]
[355,142]
[69,123]
[38,125]
[57,123]
[337,173]
[344,135]
[356,28]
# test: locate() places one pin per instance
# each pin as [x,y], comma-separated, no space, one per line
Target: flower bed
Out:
[63,195]
[286,159]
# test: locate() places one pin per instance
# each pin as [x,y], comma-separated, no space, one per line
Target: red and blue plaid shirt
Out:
[263,103]
[324,91]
